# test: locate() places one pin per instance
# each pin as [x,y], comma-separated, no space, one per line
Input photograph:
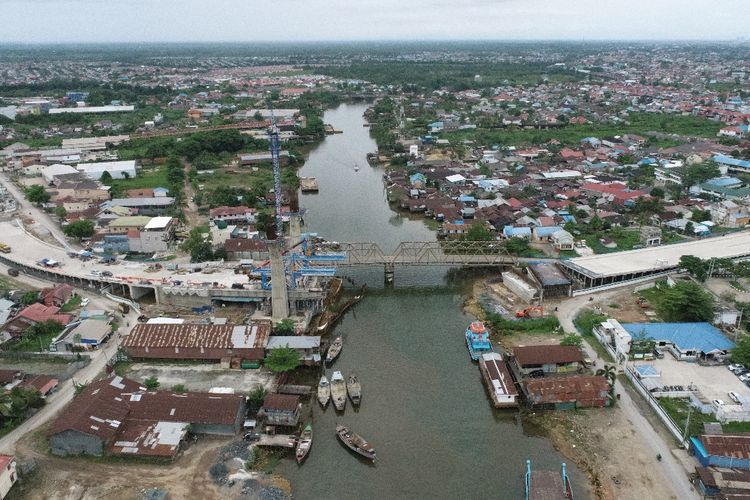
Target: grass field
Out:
[150,177]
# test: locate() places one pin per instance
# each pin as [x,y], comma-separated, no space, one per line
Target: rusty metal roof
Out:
[192,335]
[727,445]
[536,355]
[567,389]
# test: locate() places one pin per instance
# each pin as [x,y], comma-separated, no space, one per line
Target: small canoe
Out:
[355,442]
[324,391]
[354,389]
[334,350]
[304,444]
[338,390]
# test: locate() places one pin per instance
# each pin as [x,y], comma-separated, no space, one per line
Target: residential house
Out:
[562,240]
[33,315]
[307,346]
[246,248]
[155,236]
[650,236]
[730,214]
[547,359]
[281,409]
[723,482]
[158,205]
[8,474]
[42,383]
[233,215]
[57,295]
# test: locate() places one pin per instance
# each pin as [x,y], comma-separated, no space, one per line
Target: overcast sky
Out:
[50,21]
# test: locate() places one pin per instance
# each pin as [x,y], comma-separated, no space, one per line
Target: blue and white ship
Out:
[478,340]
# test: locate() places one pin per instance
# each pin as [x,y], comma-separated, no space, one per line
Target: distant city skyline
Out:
[84,21]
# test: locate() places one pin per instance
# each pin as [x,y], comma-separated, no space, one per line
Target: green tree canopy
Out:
[686,302]
[284,327]
[695,266]
[517,246]
[106,178]
[699,173]
[151,383]
[37,194]
[282,359]
[479,232]
[741,351]
[198,245]
[82,228]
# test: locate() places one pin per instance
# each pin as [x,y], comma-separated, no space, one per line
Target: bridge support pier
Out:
[390,273]
[279,292]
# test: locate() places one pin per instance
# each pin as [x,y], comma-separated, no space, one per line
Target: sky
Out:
[71,21]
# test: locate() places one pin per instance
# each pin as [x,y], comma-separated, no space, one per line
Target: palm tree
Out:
[609,373]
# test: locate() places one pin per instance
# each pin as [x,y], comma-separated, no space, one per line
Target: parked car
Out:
[718,402]
[95,272]
[740,370]
[745,377]
[85,301]
[734,366]
[107,274]
[735,397]
[238,286]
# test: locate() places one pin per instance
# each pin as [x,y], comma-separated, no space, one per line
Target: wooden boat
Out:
[334,350]
[324,391]
[355,442]
[304,444]
[338,390]
[323,326]
[354,389]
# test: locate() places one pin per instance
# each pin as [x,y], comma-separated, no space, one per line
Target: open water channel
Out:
[424,407]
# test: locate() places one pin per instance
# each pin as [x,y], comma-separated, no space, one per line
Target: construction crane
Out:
[275,145]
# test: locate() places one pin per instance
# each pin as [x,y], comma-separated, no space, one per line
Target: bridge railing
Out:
[446,252]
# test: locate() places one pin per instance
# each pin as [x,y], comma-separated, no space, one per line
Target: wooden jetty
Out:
[547,485]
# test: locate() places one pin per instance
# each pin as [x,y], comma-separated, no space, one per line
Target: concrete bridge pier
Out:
[390,273]
[279,292]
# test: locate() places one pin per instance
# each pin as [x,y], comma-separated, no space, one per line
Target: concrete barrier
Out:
[670,424]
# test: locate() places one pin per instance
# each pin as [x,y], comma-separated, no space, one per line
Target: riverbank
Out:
[603,443]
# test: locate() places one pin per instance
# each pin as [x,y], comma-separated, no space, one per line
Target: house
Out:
[685,341]
[562,240]
[42,383]
[308,347]
[281,409]
[723,482]
[87,334]
[561,393]
[49,173]
[35,314]
[119,416]
[730,214]
[547,359]
[191,341]
[10,378]
[246,248]
[8,474]
[233,215]
[158,205]
[57,295]
[155,236]
[722,450]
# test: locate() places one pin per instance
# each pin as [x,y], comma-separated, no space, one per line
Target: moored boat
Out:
[334,350]
[338,390]
[477,340]
[324,391]
[354,389]
[355,442]
[304,444]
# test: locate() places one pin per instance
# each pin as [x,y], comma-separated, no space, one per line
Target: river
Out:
[424,407]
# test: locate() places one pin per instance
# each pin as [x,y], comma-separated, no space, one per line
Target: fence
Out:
[654,403]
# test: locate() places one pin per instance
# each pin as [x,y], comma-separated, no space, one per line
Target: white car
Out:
[718,402]
[85,301]
[734,366]
[95,272]
[735,397]
[745,377]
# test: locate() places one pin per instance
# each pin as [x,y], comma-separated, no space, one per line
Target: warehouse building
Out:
[117,169]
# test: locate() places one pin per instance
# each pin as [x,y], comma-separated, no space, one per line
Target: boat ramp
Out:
[547,484]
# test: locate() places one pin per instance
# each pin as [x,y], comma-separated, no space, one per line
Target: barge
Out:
[497,379]
[308,184]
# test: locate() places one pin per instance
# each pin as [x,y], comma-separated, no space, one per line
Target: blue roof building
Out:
[521,232]
[418,178]
[732,162]
[686,341]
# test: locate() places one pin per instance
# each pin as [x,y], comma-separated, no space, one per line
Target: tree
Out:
[741,351]
[700,215]
[572,339]
[82,228]
[151,382]
[686,302]
[689,228]
[609,373]
[479,232]
[517,246]
[698,173]
[695,266]
[37,194]
[61,212]
[179,388]
[284,327]
[30,297]
[255,400]
[282,359]
[657,192]
[106,178]
[198,245]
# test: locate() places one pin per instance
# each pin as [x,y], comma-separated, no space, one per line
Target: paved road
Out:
[670,466]
[41,217]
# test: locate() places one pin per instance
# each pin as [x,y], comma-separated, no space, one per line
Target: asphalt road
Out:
[669,466]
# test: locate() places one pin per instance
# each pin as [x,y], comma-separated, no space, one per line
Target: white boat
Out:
[324,391]
[334,350]
[354,389]
[304,444]
[338,390]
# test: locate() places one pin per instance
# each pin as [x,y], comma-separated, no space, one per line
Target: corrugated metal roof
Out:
[702,336]
[191,335]
[534,355]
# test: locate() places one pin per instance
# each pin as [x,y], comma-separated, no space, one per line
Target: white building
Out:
[117,169]
[92,109]
[8,474]
[49,173]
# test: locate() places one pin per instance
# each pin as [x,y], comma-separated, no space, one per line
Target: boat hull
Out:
[355,443]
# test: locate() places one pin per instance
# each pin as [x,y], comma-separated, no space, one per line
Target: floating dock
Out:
[308,184]
[497,379]
[547,484]
[330,130]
